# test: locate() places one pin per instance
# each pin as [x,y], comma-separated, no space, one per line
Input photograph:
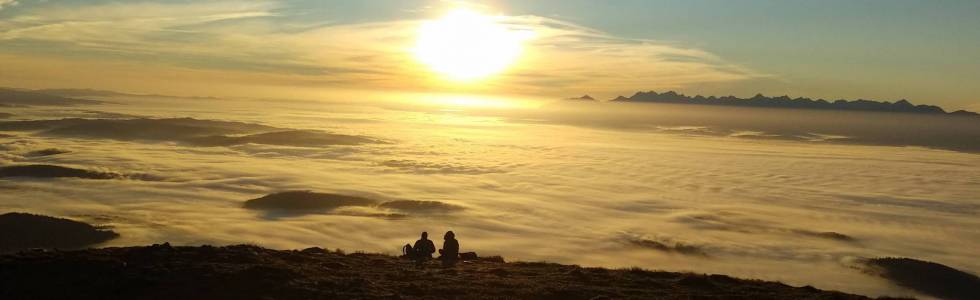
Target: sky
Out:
[798,196]
[924,51]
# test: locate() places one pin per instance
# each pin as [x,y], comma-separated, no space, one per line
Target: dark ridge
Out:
[585,98]
[250,272]
[306,201]
[152,129]
[98,114]
[80,92]
[46,152]
[296,138]
[826,235]
[927,277]
[678,248]
[105,93]
[189,131]
[4,115]
[133,129]
[22,231]
[424,207]
[786,102]
[51,171]
[12,97]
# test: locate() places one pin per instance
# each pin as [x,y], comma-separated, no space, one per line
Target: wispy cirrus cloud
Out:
[261,38]
[149,28]
[6,3]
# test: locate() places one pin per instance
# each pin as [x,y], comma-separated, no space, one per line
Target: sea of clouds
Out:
[680,188]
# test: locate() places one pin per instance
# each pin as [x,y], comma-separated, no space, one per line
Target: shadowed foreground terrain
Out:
[251,272]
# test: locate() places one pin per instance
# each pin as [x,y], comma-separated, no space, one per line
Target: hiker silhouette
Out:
[449,254]
[423,249]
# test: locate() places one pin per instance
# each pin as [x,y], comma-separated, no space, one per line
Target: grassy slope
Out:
[249,272]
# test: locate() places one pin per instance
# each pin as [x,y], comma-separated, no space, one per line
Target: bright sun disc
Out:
[465,45]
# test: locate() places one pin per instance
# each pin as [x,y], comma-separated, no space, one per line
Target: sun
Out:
[466,46]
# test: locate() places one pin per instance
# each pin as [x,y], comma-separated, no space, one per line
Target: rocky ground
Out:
[251,272]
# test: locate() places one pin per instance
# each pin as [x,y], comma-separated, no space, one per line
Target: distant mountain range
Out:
[15,97]
[103,93]
[786,102]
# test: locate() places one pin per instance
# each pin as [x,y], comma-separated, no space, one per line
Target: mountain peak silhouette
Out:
[583,98]
[760,100]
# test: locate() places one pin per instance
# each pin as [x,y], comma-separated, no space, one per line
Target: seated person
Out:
[423,249]
[450,249]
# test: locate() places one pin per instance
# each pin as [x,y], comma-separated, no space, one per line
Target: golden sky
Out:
[286,48]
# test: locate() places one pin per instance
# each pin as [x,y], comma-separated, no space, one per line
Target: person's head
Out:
[425,235]
[450,235]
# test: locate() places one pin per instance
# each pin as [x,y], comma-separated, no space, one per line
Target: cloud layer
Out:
[616,196]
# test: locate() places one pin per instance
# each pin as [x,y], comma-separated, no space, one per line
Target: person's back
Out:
[424,248]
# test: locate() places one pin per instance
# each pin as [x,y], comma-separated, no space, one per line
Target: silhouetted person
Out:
[449,253]
[423,249]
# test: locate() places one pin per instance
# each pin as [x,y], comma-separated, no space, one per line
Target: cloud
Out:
[421,167]
[123,25]
[571,56]
[15,98]
[297,138]
[53,171]
[563,199]
[922,204]
[7,3]
[736,223]
[254,37]
[421,207]
[973,107]
[206,133]
[664,245]
[809,126]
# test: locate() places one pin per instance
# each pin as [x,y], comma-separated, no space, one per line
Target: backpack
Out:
[408,251]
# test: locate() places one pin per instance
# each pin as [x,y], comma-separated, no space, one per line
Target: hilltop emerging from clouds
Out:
[786,102]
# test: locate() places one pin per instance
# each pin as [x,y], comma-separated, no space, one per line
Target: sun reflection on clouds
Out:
[469,101]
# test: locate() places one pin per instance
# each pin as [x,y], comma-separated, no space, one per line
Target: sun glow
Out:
[465,45]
